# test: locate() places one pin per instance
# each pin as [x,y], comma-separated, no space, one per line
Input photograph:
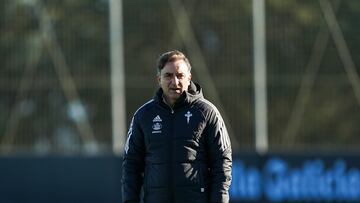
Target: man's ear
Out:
[158,77]
[190,77]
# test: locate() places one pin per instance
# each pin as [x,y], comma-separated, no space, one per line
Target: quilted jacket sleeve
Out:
[133,163]
[219,159]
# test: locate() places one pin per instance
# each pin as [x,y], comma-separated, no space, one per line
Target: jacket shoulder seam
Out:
[143,108]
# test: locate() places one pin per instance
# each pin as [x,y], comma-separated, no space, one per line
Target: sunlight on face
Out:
[174,79]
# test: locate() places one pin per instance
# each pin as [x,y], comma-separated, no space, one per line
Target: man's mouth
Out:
[175,89]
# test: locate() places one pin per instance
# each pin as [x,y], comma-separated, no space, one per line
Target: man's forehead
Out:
[178,66]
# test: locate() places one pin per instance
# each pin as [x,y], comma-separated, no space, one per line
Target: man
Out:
[178,148]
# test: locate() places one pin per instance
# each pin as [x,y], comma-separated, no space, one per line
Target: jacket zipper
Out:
[171,154]
[171,168]
[171,109]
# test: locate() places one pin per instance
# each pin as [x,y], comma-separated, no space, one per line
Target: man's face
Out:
[174,79]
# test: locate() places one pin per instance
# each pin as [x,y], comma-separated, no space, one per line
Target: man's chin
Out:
[174,96]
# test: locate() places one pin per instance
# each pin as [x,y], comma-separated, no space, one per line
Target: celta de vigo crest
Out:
[156,126]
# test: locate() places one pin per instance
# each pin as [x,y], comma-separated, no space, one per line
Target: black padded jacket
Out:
[178,155]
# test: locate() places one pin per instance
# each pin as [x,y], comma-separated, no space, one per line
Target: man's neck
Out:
[166,101]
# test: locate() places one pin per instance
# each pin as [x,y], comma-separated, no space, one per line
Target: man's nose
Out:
[175,80]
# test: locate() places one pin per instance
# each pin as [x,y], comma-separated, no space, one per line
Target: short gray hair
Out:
[171,56]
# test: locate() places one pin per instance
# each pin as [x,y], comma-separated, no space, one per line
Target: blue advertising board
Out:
[296,178]
[273,178]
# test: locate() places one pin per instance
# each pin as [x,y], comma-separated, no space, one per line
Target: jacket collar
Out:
[194,93]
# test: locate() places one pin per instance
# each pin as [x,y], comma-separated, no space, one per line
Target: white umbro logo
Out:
[157,119]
